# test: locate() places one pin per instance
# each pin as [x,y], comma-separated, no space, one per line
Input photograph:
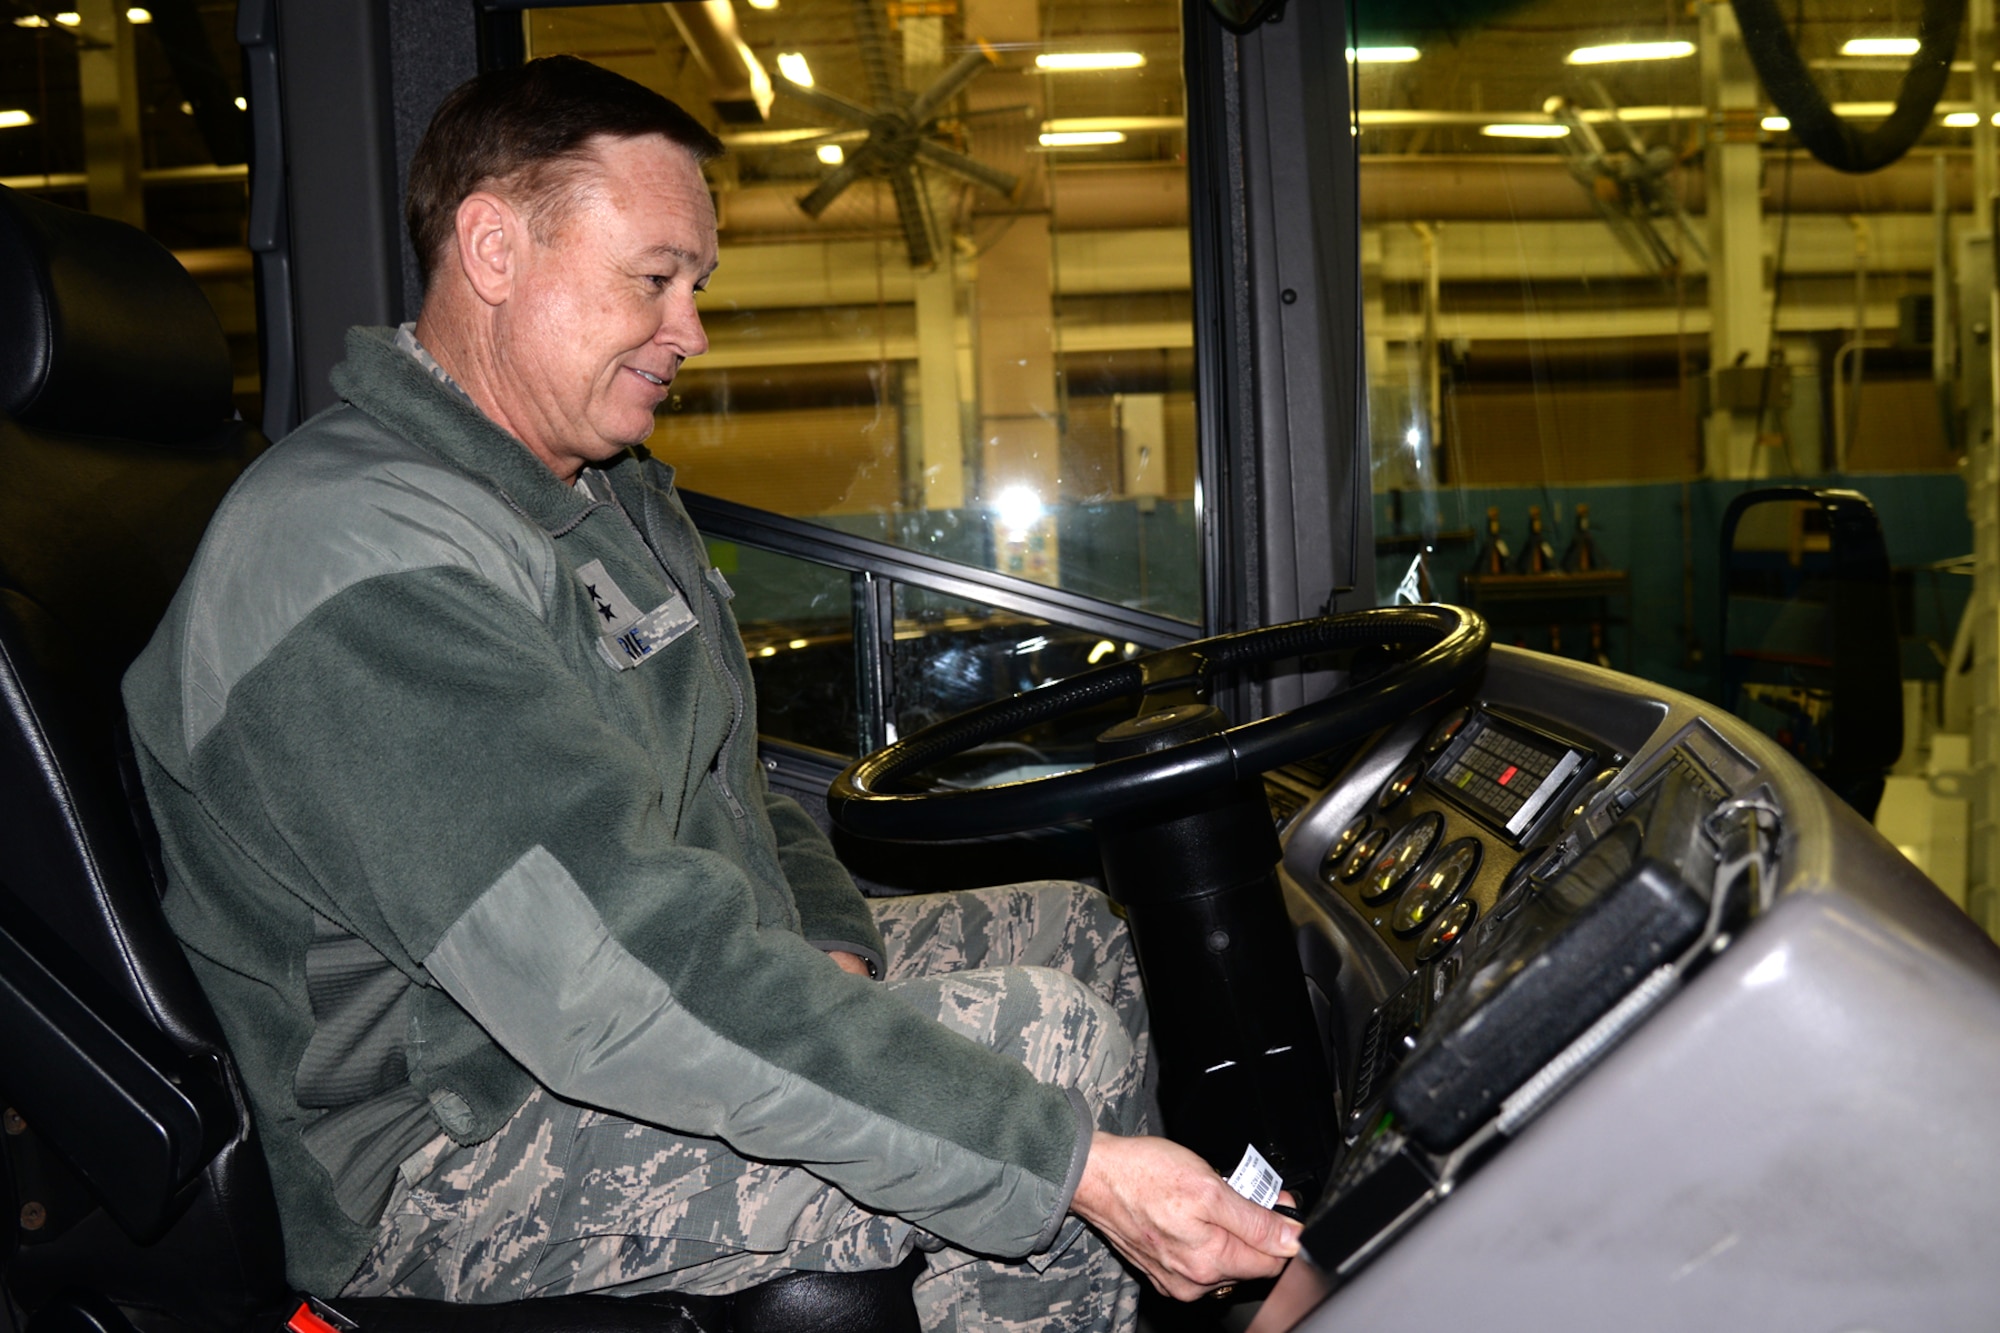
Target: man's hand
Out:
[1163,1208]
[849,962]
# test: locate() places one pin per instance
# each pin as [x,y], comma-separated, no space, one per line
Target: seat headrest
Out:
[109,335]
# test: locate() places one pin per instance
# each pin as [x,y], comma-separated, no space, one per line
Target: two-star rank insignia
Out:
[625,636]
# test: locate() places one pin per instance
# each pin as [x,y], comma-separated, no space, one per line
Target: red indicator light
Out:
[1508,776]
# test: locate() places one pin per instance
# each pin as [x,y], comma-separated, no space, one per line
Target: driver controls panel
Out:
[1536,896]
[1438,848]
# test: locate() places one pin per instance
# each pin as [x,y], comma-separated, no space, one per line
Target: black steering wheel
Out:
[1439,650]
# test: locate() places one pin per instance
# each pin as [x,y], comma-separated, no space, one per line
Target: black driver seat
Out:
[137,1196]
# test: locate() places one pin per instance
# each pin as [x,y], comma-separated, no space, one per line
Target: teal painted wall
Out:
[1150,560]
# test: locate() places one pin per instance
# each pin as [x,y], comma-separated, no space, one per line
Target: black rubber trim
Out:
[1452,650]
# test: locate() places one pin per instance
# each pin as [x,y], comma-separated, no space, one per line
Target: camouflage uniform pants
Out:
[565,1199]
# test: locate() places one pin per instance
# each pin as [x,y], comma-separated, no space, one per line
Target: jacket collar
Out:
[390,385]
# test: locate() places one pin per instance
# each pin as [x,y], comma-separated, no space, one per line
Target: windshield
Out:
[953,310]
[1605,290]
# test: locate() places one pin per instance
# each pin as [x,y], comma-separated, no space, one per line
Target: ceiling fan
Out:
[899,128]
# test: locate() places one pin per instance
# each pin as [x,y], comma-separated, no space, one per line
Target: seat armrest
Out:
[127,1110]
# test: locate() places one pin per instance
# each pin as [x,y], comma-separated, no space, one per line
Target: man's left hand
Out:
[848,962]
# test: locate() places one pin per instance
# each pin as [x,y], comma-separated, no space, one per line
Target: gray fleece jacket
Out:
[455,772]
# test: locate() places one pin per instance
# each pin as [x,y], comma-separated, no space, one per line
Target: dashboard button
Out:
[1396,788]
[1440,885]
[1364,852]
[1393,864]
[1445,932]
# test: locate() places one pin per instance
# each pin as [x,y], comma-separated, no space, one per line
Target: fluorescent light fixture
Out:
[138,15]
[830,153]
[795,643]
[31,21]
[1381,55]
[767,651]
[1082,138]
[792,64]
[1863,110]
[1776,124]
[69,18]
[1062,62]
[771,138]
[1961,120]
[1880,46]
[1524,131]
[1611,55]
[10,120]
[763,4]
[1128,124]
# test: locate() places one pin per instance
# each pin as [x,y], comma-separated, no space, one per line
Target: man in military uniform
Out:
[534,985]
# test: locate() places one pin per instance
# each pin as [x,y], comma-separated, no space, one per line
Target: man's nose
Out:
[682,331]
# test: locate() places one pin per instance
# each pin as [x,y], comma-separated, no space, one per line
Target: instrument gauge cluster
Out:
[1436,849]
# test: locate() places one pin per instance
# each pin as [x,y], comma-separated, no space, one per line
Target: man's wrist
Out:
[861,965]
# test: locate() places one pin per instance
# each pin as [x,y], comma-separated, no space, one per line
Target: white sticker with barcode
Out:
[1255,1179]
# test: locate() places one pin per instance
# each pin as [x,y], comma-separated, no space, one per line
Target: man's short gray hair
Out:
[526,131]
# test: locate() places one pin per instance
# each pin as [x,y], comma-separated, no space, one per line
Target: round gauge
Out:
[1393,864]
[1445,732]
[1438,887]
[1590,793]
[1396,788]
[1329,867]
[1364,852]
[1446,931]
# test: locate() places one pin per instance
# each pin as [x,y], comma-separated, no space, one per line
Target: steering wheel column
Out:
[1239,1054]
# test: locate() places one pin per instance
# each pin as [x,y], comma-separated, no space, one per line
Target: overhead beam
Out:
[1506,251]
[1626,322]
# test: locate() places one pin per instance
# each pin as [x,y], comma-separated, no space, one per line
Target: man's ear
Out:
[490,234]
